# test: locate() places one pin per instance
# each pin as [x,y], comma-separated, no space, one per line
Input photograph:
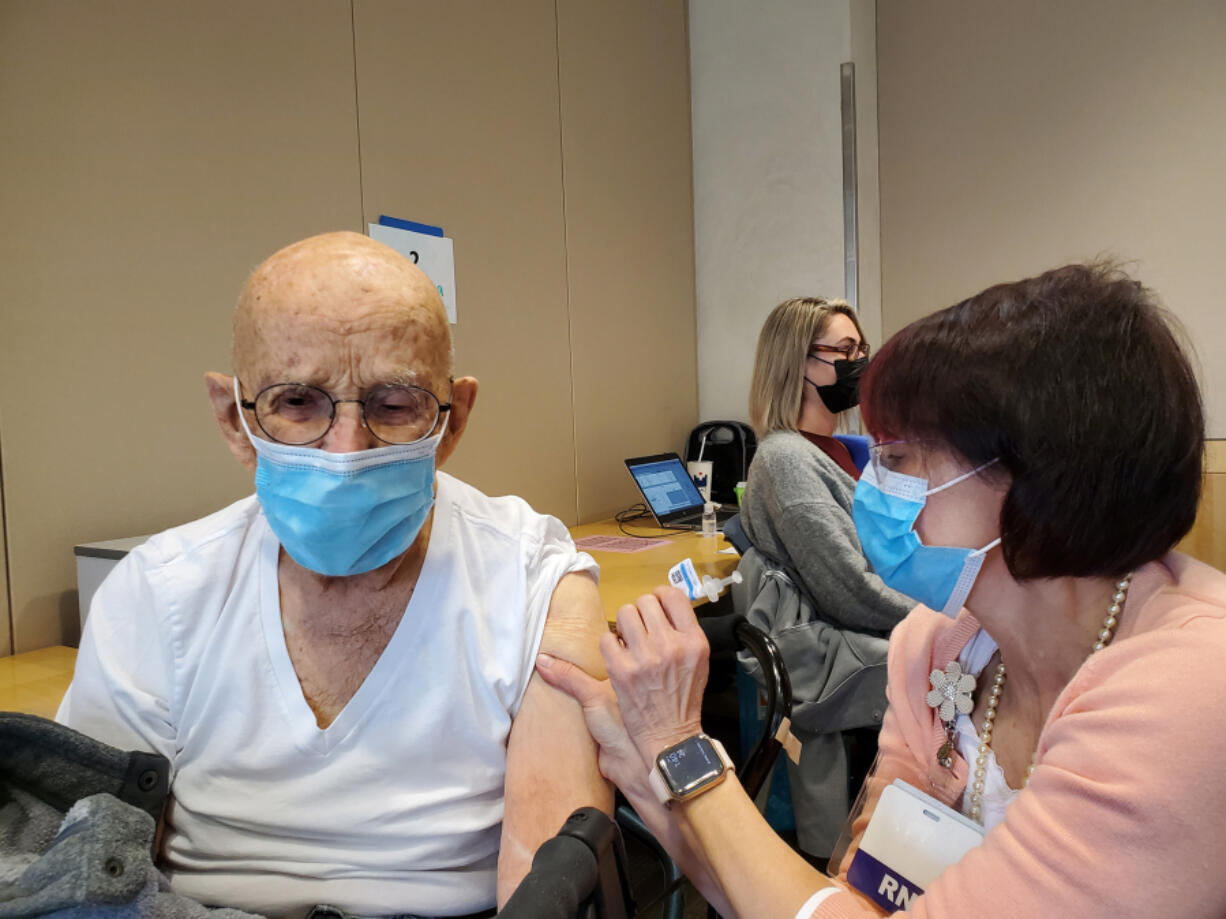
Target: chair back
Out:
[730,446]
[756,767]
[857,445]
[735,534]
[672,902]
[734,632]
[729,633]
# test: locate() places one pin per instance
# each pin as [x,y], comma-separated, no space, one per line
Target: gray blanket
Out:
[97,865]
[77,826]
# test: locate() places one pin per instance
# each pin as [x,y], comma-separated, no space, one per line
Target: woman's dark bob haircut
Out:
[1076,381]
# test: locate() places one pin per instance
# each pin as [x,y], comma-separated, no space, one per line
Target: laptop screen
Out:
[665,484]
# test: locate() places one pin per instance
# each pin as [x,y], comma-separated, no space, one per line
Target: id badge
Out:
[910,839]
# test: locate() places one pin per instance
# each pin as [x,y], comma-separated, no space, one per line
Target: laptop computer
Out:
[669,493]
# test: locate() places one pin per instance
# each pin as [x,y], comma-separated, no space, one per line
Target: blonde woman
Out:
[806,581]
[797,504]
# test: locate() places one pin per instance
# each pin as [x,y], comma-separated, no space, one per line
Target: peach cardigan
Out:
[1125,815]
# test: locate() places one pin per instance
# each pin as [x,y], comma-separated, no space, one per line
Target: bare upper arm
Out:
[551,758]
[575,622]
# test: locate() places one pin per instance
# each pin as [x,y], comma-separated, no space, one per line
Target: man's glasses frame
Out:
[259,406]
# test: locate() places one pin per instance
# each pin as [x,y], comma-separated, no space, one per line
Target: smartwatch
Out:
[689,768]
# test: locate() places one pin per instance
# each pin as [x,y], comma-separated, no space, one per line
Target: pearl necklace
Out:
[989,716]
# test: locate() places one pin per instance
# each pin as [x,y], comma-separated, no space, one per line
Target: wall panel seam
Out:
[881,306]
[689,103]
[876,155]
[357,111]
[4,548]
[570,325]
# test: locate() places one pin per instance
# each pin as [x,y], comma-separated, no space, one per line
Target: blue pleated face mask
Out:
[340,514]
[940,577]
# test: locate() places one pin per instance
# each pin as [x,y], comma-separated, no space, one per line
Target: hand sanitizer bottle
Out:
[708,519]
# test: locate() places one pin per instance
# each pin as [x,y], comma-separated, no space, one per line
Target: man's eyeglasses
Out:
[848,352]
[298,413]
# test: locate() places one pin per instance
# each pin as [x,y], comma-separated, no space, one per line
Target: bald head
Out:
[317,305]
[344,314]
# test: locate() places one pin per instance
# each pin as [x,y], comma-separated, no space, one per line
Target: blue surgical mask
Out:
[940,577]
[340,514]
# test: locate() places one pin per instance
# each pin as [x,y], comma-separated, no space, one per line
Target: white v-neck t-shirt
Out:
[397,805]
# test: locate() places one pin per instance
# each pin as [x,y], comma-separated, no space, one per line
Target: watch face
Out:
[690,765]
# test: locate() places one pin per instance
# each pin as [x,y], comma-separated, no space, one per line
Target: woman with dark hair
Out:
[1038,455]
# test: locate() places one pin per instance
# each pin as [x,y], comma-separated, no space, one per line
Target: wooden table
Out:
[626,576]
[34,682]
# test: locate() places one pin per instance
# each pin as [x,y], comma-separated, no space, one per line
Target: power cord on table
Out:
[638,512]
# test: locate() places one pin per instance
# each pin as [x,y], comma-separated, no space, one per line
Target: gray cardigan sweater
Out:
[796,510]
[807,584]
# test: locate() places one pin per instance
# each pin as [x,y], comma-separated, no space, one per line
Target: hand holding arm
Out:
[551,760]
[621,763]
[658,668]
[658,664]
[659,671]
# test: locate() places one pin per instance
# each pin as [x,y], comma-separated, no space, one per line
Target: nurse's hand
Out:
[618,758]
[658,667]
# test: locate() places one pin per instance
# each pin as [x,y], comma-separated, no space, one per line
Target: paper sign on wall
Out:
[430,250]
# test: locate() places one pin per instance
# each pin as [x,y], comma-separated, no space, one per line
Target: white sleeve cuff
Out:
[815,901]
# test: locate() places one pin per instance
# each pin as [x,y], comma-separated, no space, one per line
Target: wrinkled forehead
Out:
[343,311]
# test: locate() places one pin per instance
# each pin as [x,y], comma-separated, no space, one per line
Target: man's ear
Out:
[463,397]
[225,410]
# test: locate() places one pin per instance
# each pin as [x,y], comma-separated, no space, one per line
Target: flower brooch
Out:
[950,696]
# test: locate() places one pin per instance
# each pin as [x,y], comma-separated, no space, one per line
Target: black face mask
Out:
[844,392]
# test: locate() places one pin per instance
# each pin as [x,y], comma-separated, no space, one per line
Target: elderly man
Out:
[340,668]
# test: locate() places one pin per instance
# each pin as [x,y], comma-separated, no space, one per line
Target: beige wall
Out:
[868,188]
[629,238]
[161,150]
[1207,541]
[1015,137]
[152,153]
[768,172]
[494,187]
